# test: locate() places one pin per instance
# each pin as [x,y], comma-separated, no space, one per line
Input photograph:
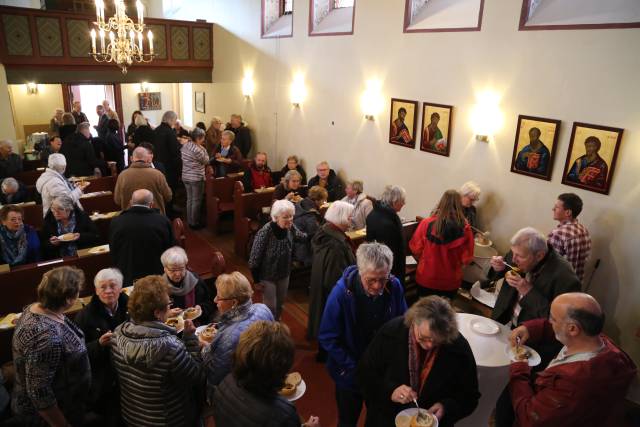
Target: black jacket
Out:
[21,196]
[95,321]
[66,130]
[80,155]
[137,238]
[335,187]
[114,150]
[89,234]
[167,151]
[10,166]
[453,380]
[242,139]
[202,297]
[143,134]
[384,226]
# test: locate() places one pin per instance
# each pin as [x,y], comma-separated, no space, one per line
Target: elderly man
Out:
[56,121]
[78,115]
[327,178]
[78,150]
[258,174]
[363,300]
[12,192]
[103,121]
[52,183]
[138,237]
[10,163]
[570,238]
[242,133]
[140,175]
[586,380]
[167,151]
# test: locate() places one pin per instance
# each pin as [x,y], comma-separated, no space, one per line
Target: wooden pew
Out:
[219,198]
[247,209]
[100,203]
[178,232]
[105,183]
[32,215]
[29,177]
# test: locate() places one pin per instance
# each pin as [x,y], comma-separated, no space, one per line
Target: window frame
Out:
[407,22]
[332,8]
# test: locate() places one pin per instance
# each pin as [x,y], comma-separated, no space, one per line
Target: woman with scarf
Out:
[67,228]
[419,356]
[185,287]
[19,243]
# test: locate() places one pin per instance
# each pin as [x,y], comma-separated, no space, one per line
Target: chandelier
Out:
[125,44]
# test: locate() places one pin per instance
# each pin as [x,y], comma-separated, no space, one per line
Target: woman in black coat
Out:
[66,228]
[419,356]
[113,147]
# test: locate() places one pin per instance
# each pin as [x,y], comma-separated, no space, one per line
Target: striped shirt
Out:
[571,240]
[194,161]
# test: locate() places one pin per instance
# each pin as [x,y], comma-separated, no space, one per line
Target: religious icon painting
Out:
[436,128]
[403,122]
[592,155]
[535,146]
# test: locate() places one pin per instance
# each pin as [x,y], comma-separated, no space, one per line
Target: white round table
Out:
[493,366]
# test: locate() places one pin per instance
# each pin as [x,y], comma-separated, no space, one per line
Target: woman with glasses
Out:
[365,297]
[236,313]
[470,194]
[419,356]
[19,243]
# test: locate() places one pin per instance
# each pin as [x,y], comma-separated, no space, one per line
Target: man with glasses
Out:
[327,179]
[365,298]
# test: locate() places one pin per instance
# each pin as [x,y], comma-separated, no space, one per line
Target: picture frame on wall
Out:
[534,149]
[436,128]
[199,102]
[592,155]
[149,101]
[403,122]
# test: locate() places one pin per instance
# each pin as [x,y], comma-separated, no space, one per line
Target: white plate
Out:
[486,298]
[534,359]
[300,390]
[199,329]
[407,414]
[484,326]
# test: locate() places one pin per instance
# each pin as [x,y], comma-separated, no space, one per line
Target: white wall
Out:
[588,76]
[34,109]
[130,101]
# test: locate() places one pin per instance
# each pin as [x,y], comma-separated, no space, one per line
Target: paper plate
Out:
[486,298]
[302,388]
[403,419]
[534,359]
[484,326]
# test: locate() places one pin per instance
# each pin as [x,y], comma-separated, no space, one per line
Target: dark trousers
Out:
[349,407]
[425,292]
[504,410]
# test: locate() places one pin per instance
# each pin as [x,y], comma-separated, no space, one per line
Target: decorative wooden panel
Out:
[159,40]
[180,42]
[17,35]
[201,44]
[49,36]
[78,36]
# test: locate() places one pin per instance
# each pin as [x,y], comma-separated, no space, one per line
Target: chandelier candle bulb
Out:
[140,41]
[150,36]
[93,41]
[102,41]
[132,36]
[140,8]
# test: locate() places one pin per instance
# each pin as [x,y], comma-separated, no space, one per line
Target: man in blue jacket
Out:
[365,298]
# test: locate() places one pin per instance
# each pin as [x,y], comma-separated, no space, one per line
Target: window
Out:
[287,7]
[442,15]
[331,17]
[579,14]
[277,18]
[343,3]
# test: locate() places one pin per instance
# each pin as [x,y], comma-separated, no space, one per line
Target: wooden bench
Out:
[247,210]
[100,203]
[29,177]
[32,215]
[219,198]
[104,183]
[204,259]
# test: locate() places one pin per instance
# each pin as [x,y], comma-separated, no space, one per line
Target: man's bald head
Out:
[142,197]
[140,154]
[581,309]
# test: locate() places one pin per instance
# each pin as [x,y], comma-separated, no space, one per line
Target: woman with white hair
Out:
[98,319]
[226,158]
[384,226]
[270,259]
[332,253]
[52,183]
[187,289]
[363,206]
[469,194]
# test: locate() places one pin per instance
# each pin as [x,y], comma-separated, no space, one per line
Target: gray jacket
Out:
[158,373]
[270,257]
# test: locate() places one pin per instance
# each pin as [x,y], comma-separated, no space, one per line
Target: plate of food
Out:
[414,417]
[481,240]
[175,322]
[484,326]
[294,387]
[523,353]
[67,237]
[99,249]
[10,320]
[207,333]
[192,313]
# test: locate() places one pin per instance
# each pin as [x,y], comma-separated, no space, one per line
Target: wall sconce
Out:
[298,91]
[247,85]
[144,87]
[32,88]
[371,101]
[486,118]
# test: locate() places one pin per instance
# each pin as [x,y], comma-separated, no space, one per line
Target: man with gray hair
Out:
[78,149]
[12,192]
[365,298]
[10,162]
[329,180]
[541,276]
[167,151]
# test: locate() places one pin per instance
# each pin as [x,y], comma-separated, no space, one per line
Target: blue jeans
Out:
[349,407]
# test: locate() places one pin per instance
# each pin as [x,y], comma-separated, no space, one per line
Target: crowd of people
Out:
[118,361]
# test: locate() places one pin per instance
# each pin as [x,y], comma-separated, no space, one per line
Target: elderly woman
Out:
[249,396]
[66,228]
[308,219]
[290,188]
[194,161]
[143,132]
[363,300]
[293,164]
[186,288]
[53,375]
[384,226]
[98,319]
[442,244]
[226,157]
[363,206]
[332,253]
[68,126]
[19,243]
[213,135]
[469,194]
[113,145]
[131,129]
[52,183]
[236,313]
[270,259]
[420,356]
[159,373]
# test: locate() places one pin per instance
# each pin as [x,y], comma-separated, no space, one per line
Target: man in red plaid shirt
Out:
[570,238]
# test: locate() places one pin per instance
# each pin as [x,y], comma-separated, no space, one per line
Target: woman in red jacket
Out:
[442,243]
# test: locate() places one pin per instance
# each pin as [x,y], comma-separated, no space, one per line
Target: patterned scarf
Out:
[418,374]
[67,249]
[13,245]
